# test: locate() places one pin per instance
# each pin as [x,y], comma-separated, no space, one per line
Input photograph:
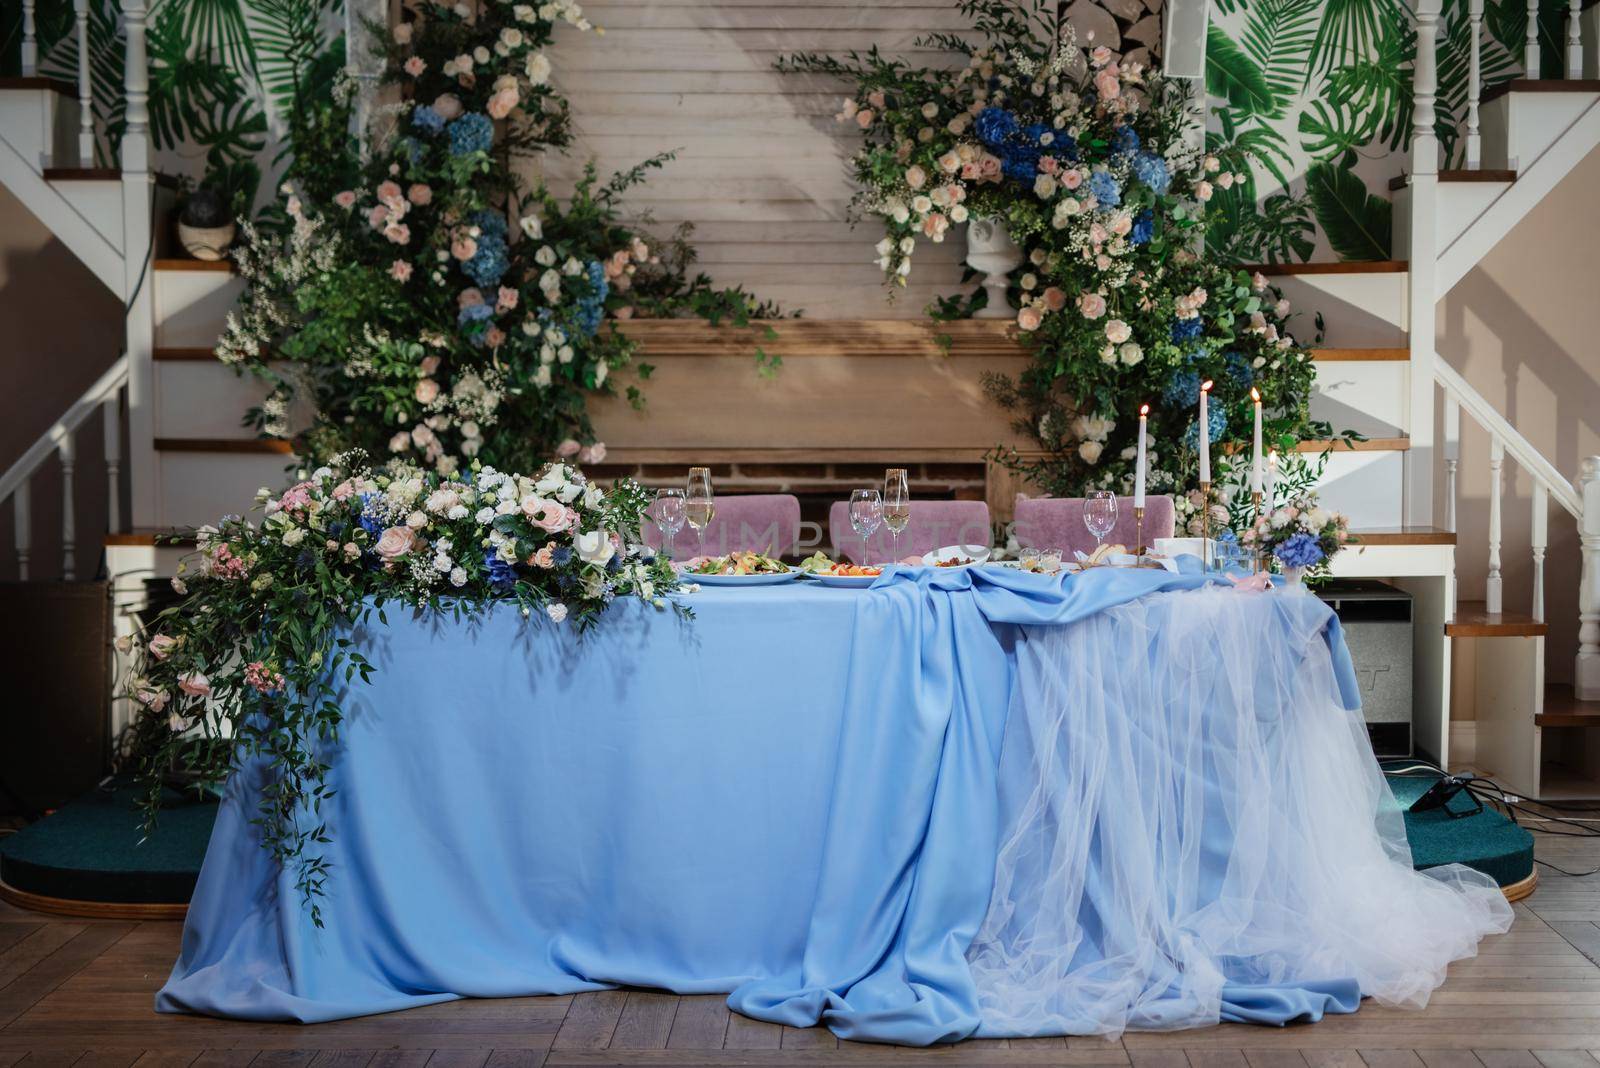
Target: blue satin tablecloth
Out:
[791,798]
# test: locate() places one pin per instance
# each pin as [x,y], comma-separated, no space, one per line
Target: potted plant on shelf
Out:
[205,225]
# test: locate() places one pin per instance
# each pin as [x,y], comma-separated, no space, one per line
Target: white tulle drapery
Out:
[1188,812]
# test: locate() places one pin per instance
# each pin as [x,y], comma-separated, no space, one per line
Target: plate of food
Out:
[737,569]
[956,556]
[841,573]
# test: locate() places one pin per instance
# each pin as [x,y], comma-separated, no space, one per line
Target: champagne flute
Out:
[896,506]
[699,504]
[1100,514]
[866,515]
[669,514]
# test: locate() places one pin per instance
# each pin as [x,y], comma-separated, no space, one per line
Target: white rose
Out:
[294,536]
[545,257]
[1044,187]
[532,227]
[1118,331]
[958,214]
[1090,451]
[929,110]
[1131,353]
[557,612]
[538,68]
[594,547]
[458,576]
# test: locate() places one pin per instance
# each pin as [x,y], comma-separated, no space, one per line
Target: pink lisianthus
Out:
[161,646]
[195,684]
[150,697]
[260,678]
[400,271]
[394,543]
[568,448]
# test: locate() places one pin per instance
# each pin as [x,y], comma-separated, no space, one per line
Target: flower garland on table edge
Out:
[1084,159]
[249,663]
[424,303]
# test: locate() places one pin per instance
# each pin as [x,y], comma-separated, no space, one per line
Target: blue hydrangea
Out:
[1182,390]
[469,319]
[1187,329]
[1065,146]
[427,120]
[490,263]
[489,222]
[1033,133]
[1143,227]
[471,133]
[502,576]
[591,310]
[994,126]
[1151,169]
[1216,420]
[1238,369]
[1105,190]
[1299,550]
[1020,165]
[1125,140]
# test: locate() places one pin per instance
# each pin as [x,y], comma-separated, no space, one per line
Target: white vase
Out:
[991,251]
[205,242]
[1293,577]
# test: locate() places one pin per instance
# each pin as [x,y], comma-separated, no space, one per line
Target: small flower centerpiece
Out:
[249,662]
[1300,535]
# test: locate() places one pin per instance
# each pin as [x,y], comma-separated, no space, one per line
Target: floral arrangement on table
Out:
[250,661]
[431,307]
[1085,161]
[1301,535]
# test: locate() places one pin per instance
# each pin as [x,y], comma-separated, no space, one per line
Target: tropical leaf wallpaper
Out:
[1311,101]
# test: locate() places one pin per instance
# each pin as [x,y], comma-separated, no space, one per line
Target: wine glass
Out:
[669,514]
[1100,514]
[866,516]
[896,506]
[699,504]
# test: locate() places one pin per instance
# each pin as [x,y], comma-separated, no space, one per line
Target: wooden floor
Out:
[79,993]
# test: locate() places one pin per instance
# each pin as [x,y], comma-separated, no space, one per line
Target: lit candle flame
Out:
[1255,394]
[1205,387]
[1144,409]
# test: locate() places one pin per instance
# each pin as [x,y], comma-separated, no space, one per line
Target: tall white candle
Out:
[1138,471]
[1205,432]
[1255,461]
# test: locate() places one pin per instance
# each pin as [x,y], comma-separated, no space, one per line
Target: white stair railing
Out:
[30,41]
[1582,502]
[61,441]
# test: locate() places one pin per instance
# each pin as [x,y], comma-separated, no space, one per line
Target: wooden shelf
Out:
[1474,620]
[1563,709]
[1403,536]
[1361,355]
[1403,180]
[1336,445]
[1542,85]
[1341,267]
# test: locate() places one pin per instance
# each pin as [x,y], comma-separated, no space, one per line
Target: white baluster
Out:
[1452,458]
[1530,48]
[1491,591]
[67,451]
[1474,83]
[1586,673]
[1422,458]
[30,41]
[111,422]
[85,87]
[1540,539]
[22,524]
[1574,39]
[136,84]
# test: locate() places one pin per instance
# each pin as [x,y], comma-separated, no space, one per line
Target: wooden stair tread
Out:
[1474,620]
[1406,535]
[146,537]
[99,174]
[1361,355]
[1542,85]
[169,352]
[38,81]
[1563,709]
[237,445]
[220,266]
[1339,267]
[1401,181]
[1337,445]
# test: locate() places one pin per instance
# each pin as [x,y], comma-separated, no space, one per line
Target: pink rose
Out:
[388,191]
[1202,191]
[448,105]
[415,66]
[1050,165]
[547,515]
[378,216]
[427,391]
[1054,298]
[463,247]
[592,454]
[625,312]
[1029,318]
[544,558]
[400,271]
[864,117]
[470,297]
[1100,56]
[1092,305]
[428,365]
[420,195]
[399,233]
[161,646]
[1107,85]
[345,199]
[395,543]
[402,34]
[1072,179]
[494,337]
[501,103]
[877,99]
[195,684]
[567,448]
[507,300]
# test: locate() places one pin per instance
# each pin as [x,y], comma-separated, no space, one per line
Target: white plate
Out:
[740,580]
[854,582]
[976,553]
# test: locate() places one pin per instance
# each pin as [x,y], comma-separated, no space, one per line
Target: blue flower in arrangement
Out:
[1152,170]
[1125,140]
[1182,390]
[489,222]
[1299,550]
[591,310]
[427,120]
[502,576]
[1065,146]
[994,126]
[561,556]
[1143,227]
[470,318]
[1187,329]
[1105,189]
[1238,368]
[471,133]
[490,263]
[1216,420]
[370,521]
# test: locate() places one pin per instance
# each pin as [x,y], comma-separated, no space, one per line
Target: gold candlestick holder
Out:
[1138,536]
[1208,556]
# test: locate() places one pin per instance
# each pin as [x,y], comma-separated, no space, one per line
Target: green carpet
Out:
[95,849]
[1487,841]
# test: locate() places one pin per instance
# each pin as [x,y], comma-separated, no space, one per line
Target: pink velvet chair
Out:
[759,522]
[1057,523]
[933,525]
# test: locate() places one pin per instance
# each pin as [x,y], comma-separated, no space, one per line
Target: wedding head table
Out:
[960,802]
